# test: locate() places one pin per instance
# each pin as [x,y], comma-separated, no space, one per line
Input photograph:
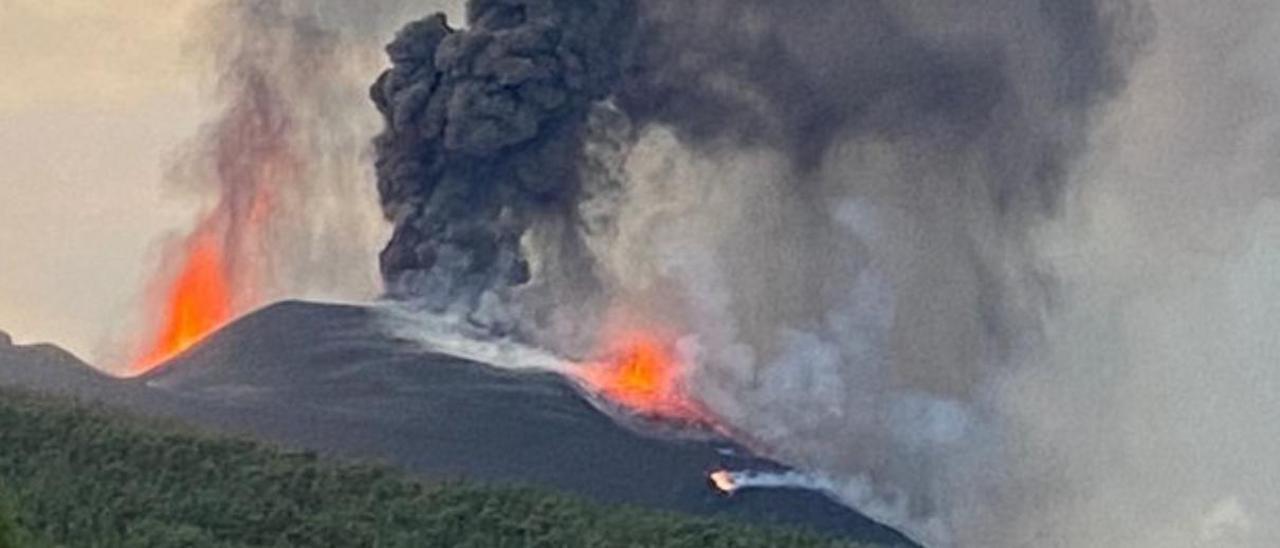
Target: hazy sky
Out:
[94,97]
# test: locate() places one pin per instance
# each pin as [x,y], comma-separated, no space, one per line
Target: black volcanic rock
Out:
[327,378]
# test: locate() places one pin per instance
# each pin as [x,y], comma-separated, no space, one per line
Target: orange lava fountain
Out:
[224,268]
[268,166]
[643,374]
[198,302]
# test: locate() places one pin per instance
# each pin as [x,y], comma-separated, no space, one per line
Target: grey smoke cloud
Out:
[799,78]
[960,102]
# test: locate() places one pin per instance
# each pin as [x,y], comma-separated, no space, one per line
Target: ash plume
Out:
[987,268]
[484,133]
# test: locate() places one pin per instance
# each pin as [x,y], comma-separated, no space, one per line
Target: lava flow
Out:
[643,375]
[724,482]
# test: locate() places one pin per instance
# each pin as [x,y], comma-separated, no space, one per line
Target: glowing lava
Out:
[724,481]
[643,375]
[198,302]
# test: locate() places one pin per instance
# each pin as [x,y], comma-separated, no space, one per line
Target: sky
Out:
[95,98]
[95,95]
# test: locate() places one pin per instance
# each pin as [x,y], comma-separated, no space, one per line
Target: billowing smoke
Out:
[484,136]
[844,194]
[997,271]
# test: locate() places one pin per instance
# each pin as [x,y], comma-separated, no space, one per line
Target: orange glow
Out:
[643,374]
[724,482]
[198,302]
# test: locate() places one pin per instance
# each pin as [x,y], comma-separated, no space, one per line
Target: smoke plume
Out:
[484,132]
[996,271]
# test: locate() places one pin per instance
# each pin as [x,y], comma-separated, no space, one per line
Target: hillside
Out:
[328,378]
[89,477]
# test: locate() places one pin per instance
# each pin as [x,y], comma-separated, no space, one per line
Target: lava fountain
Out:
[225,263]
[225,266]
[280,168]
[198,302]
[642,373]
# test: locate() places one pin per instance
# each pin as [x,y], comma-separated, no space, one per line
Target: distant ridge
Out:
[48,368]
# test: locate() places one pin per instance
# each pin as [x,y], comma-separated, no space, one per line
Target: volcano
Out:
[328,378]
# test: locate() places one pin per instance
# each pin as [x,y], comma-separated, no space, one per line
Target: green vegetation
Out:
[87,477]
[11,535]
[8,528]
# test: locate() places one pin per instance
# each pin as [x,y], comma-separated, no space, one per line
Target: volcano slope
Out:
[328,378]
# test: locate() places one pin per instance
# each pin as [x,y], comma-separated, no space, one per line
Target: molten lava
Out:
[643,375]
[198,302]
[724,481]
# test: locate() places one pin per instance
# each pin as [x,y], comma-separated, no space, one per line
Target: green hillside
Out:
[75,476]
